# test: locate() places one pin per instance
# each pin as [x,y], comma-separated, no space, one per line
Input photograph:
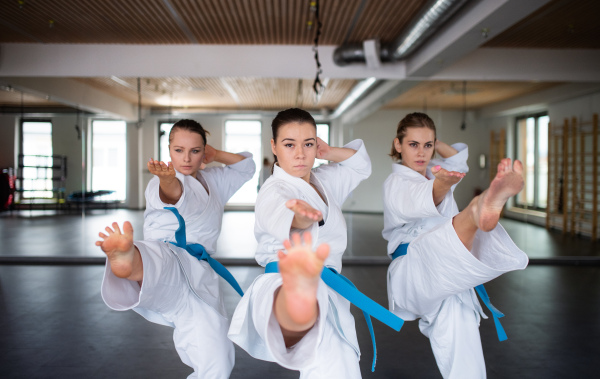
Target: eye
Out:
[178,150]
[195,151]
[428,145]
[289,145]
[412,144]
[309,144]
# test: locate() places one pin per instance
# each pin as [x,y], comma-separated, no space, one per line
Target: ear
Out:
[273,146]
[397,145]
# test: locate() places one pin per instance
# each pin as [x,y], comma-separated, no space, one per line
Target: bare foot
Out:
[508,182]
[119,249]
[300,268]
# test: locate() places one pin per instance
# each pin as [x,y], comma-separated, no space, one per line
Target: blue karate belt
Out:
[496,314]
[199,252]
[348,290]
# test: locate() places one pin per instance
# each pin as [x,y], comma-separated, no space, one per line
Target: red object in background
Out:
[7,188]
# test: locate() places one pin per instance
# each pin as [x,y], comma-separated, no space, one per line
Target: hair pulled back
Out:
[190,125]
[288,116]
[411,120]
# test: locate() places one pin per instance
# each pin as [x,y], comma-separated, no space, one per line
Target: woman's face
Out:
[187,151]
[417,148]
[296,148]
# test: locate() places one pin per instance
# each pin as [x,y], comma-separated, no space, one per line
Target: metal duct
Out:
[428,21]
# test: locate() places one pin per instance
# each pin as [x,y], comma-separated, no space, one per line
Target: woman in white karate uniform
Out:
[448,252]
[163,282]
[292,317]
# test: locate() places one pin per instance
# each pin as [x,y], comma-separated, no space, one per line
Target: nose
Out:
[299,152]
[187,157]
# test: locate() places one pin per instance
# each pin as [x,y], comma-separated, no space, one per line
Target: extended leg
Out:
[295,304]
[484,210]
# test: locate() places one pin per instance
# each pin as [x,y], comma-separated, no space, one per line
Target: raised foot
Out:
[508,182]
[118,247]
[300,271]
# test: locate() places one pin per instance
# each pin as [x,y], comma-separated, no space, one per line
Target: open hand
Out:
[304,214]
[446,177]
[161,169]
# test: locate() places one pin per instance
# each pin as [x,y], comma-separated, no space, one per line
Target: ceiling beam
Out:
[544,65]
[380,96]
[148,61]
[74,94]
[469,29]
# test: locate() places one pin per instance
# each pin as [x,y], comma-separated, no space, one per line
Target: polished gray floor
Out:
[53,323]
[45,234]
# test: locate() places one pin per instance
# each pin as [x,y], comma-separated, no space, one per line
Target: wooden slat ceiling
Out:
[201,21]
[224,93]
[449,94]
[560,24]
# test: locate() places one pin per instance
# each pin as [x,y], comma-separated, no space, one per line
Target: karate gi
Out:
[178,290]
[330,349]
[434,281]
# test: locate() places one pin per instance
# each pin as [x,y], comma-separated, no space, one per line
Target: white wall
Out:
[378,132]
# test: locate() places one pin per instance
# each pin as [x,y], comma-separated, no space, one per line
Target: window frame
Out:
[536,153]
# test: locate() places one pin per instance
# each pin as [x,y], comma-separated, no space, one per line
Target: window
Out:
[37,159]
[322,133]
[245,136]
[109,158]
[532,150]
[164,128]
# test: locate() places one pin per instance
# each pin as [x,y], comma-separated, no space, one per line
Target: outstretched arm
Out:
[335,154]
[213,155]
[170,189]
[304,214]
[444,180]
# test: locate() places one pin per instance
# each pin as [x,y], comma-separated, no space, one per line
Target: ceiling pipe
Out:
[427,22]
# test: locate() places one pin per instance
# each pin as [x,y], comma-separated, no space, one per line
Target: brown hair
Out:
[288,116]
[411,120]
[190,125]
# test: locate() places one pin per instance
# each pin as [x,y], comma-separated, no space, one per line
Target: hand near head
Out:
[304,214]
[209,155]
[446,177]
[161,169]
[323,149]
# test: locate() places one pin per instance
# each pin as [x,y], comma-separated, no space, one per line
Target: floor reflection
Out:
[44,234]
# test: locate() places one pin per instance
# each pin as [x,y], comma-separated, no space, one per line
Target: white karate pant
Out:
[165,297]
[435,281]
[323,353]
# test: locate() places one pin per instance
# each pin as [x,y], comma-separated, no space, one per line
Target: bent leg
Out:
[455,340]
[438,265]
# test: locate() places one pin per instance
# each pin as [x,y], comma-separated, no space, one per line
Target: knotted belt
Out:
[496,314]
[348,290]
[199,252]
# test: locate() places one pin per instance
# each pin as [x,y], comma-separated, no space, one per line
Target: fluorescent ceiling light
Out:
[356,92]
